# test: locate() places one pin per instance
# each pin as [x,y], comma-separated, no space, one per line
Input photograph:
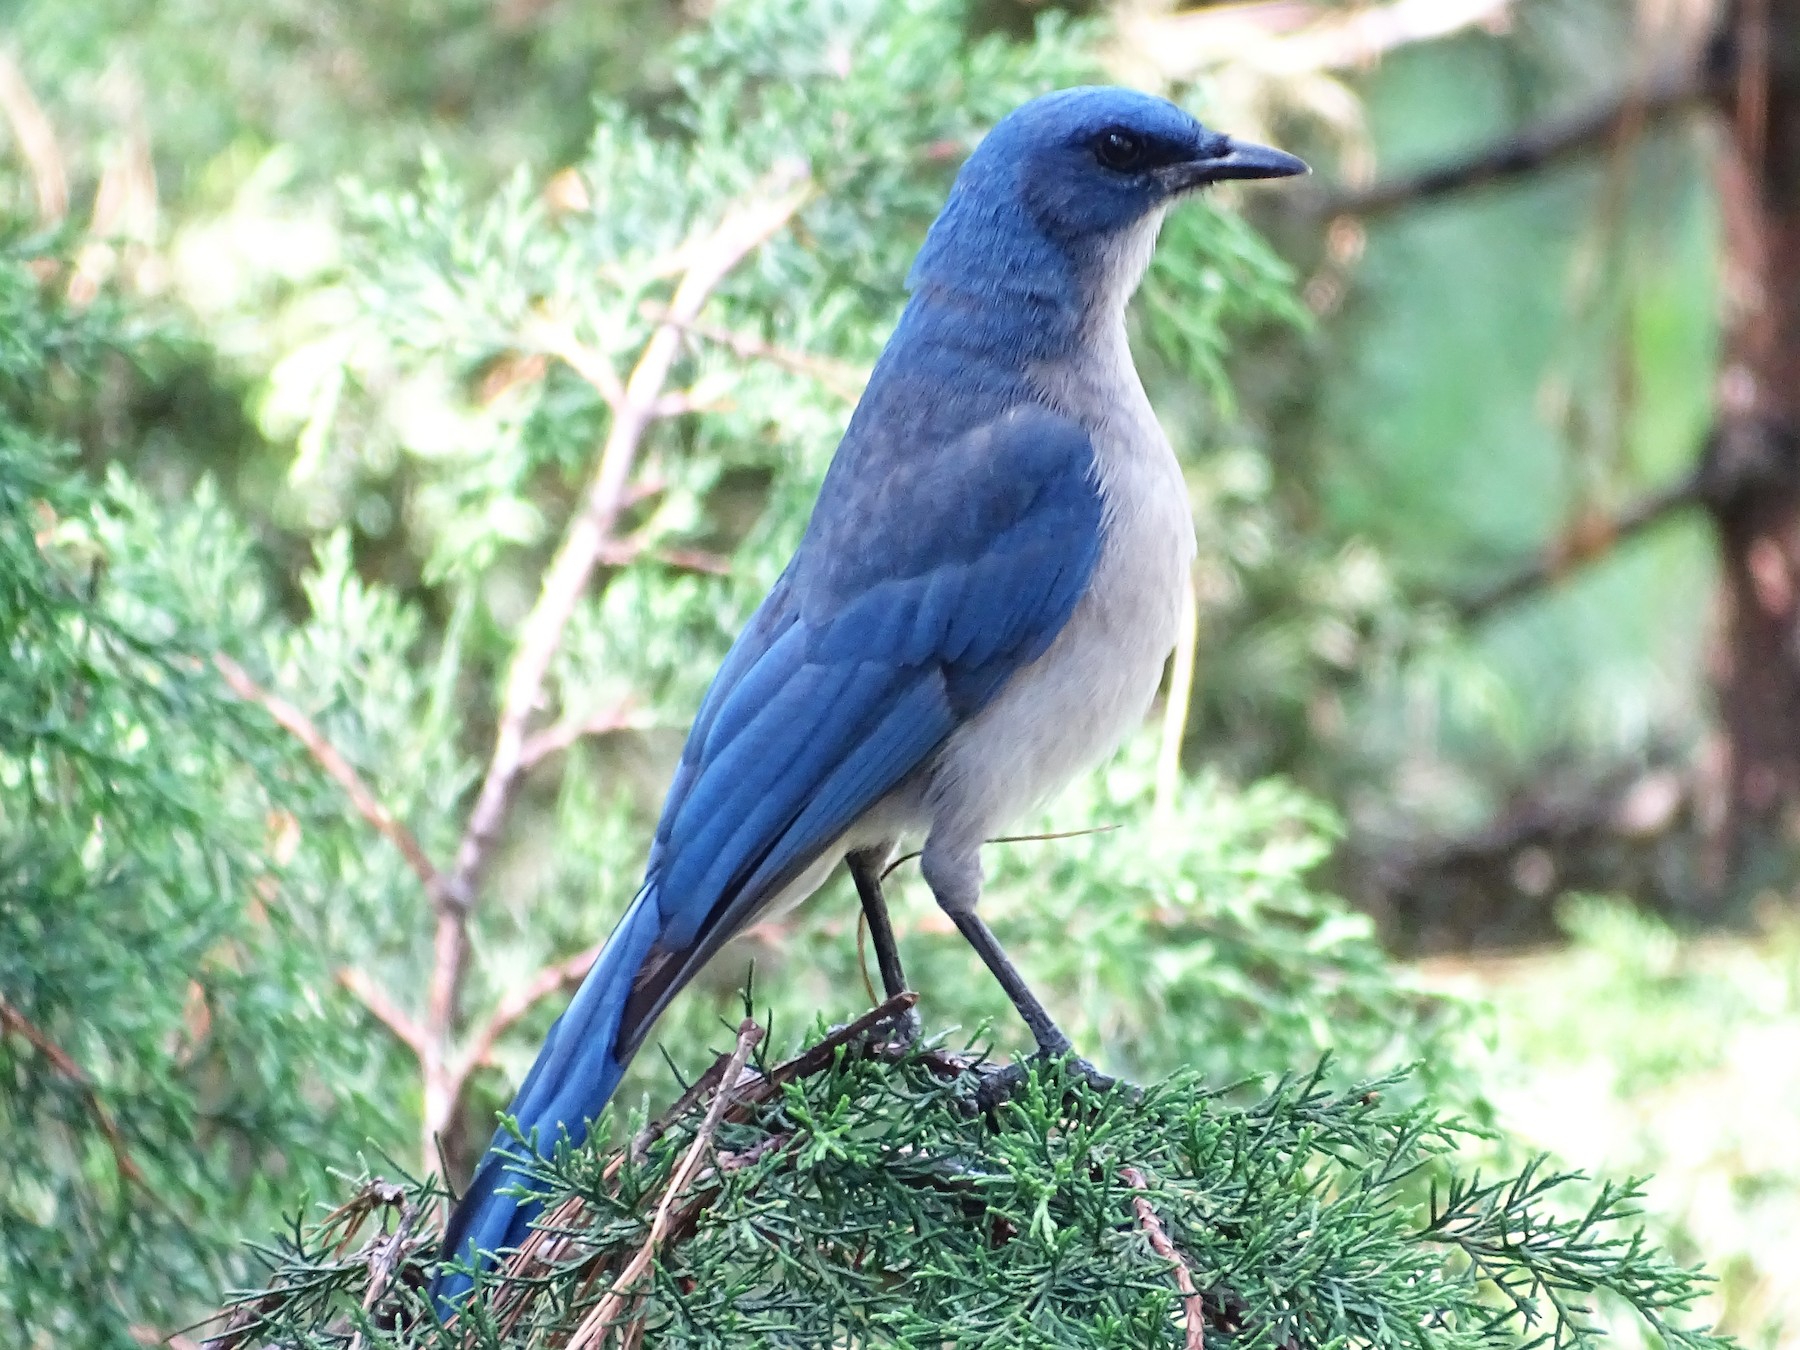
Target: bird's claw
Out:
[998,1085]
[903,1031]
[893,1035]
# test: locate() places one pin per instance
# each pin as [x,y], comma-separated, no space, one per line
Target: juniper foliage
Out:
[171,1062]
[857,1198]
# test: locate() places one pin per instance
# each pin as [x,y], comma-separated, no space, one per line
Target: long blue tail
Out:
[572,1080]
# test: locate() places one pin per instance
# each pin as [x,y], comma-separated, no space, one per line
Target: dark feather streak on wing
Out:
[936,575]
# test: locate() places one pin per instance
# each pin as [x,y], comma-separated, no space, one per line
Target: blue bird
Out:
[980,608]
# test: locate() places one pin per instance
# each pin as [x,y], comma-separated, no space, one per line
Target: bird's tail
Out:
[573,1078]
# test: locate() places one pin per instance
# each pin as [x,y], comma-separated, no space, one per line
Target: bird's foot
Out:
[901,1032]
[894,1035]
[998,1085]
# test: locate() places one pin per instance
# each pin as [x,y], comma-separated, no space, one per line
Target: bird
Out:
[980,607]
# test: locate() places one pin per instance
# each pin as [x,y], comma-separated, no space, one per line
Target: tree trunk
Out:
[1754,462]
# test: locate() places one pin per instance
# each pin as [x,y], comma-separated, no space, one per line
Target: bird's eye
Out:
[1118,149]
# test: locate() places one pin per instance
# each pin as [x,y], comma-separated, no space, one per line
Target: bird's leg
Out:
[955,879]
[865,871]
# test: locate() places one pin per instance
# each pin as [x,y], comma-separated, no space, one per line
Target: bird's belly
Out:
[1073,706]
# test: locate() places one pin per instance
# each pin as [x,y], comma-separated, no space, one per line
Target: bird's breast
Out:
[1093,685]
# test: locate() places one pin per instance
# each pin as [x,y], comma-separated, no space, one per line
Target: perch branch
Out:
[1665,93]
[11,1019]
[743,228]
[595,1326]
[1159,1241]
[326,755]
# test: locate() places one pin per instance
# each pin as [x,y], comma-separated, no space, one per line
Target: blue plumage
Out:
[967,519]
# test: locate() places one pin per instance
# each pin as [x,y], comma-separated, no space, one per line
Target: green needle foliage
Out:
[169,1065]
[852,1198]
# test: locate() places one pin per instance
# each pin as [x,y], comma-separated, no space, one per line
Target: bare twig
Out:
[595,1326]
[709,260]
[743,230]
[815,1057]
[37,142]
[1587,540]
[623,552]
[562,975]
[840,377]
[591,365]
[1159,1241]
[384,1256]
[326,755]
[1751,112]
[122,225]
[1668,92]
[693,560]
[809,1061]
[384,1010]
[553,740]
[11,1019]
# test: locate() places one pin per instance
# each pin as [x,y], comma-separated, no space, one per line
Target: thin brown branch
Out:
[36,139]
[840,377]
[1159,1241]
[806,1063]
[384,1256]
[591,365]
[686,403]
[599,1322]
[553,740]
[383,1009]
[551,979]
[1587,540]
[11,1019]
[1664,94]
[245,1318]
[815,1057]
[693,560]
[744,228]
[326,755]
[623,552]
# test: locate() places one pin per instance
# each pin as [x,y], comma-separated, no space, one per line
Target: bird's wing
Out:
[928,576]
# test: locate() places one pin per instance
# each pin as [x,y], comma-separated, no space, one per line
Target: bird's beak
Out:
[1239,159]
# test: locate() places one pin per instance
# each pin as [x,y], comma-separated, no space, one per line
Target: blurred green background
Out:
[306,314]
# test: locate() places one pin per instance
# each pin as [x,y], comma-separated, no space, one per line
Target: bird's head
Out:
[1088,171]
